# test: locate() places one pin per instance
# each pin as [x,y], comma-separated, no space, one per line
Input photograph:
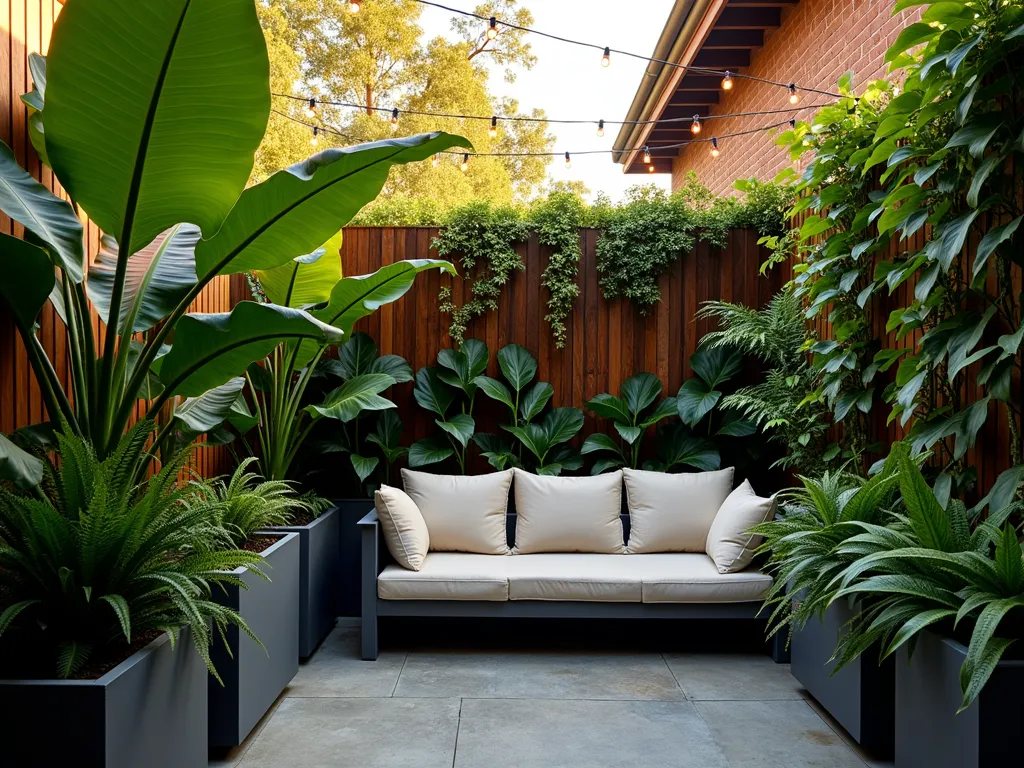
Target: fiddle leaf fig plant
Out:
[547,440]
[632,414]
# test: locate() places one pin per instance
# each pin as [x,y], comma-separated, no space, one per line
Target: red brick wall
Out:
[818,41]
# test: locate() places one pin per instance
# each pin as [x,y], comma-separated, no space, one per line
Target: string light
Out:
[600,128]
[606,59]
[493,130]
[650,168]
[794,97]
[310,110]
[695,125]
[727,81]
[316,136]
[492,28]
[714,148]
[568,162]
[465,162]
[394,119]
[647,155]
[353,6]
[435,160]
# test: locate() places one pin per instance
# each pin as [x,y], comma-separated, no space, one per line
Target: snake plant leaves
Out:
[299,208]
[210,349]
[358,394]
[430,450]
[461,426]
[18,466]
[163,130]
[305,280]
[431,392]
[28,278]
[41,212]
[156,278]
[517,365]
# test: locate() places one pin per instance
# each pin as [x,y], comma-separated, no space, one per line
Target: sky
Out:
[569,82]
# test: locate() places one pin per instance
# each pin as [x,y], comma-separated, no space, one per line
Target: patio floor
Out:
[430,708]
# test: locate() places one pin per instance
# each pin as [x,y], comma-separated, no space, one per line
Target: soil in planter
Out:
[302,517]
[260,543]
[31,658]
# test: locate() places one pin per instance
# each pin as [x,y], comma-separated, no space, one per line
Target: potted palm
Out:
[108,621]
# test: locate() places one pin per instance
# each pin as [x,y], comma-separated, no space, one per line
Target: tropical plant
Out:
[165,160]
[547,440]
[929,570]
[636,410]
[781,404]
[91,561]
[438,390]
[386,436]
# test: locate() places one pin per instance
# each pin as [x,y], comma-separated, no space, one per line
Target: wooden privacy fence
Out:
[607,341]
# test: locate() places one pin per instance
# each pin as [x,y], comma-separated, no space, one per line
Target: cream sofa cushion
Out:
[568,514]
[729,544]
[673,513]
[405,532]
[447,576]
[693,578]
[575,576]
[462,513]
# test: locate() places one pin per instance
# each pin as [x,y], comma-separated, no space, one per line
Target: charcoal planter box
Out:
[253,676]
[930,733]
[348,592]
[319,576]
[148,710]
[861,696]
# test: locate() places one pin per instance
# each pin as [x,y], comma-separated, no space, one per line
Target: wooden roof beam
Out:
[729,58]
[734,38]
[749,18]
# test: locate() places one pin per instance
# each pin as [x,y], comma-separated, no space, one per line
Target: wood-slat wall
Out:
[608,341]
[25,27]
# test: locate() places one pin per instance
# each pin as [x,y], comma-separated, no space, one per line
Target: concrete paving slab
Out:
[357,733]
[337,670]
[775,734]
[538,676]
[505,733]
[733,677]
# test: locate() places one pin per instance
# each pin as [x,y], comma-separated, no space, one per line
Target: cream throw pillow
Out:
[568,514]
[405,532]
[729,544]
[463,514]
[673,513]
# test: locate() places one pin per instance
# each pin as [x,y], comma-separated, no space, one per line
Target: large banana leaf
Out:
[358,394]
[154,111]
[27,278]
[35,100]
[37,209]
[210,349]
[210,409]
[156,278]
[299,208]
[305,280]
[18,466]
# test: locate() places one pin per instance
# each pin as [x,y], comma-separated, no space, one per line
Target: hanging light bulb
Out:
[695,125]
[794,97]
[600,128]
[792,122]
[316,136]
[493,130]
[435,160]
[650,168]
[465,163]
[311,108]
[714,148]
[727,81]
[354,6]
[606,59]
[394,119]
[568,162]
[492,28]
[647,155]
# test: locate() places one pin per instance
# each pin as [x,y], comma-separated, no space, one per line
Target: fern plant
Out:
[92,560]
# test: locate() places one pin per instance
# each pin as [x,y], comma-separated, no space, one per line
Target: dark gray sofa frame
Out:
[375,557]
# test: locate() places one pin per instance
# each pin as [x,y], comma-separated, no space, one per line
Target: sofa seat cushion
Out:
[694,578]
[574,576]
[447,576]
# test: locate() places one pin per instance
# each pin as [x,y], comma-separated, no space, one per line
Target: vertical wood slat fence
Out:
[607,341]
[25,27]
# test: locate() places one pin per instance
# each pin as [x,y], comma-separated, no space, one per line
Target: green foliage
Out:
[779,404]
[635,411]
[93,560]
[941,158]
[557,221]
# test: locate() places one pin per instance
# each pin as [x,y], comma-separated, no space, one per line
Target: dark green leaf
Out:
[27,279]
[358,394]
[17,466]
[517,365]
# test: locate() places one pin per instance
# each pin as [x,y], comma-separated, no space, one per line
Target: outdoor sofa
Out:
[449,546]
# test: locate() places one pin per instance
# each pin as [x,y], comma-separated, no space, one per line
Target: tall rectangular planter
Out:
[929,732]
[253,676]
[319,574]
[149,710]
[861,696]
[350,512]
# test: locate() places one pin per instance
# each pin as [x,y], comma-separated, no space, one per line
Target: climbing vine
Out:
[557,221]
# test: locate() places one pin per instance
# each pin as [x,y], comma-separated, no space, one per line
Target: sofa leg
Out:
[370,643]
[780,650]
